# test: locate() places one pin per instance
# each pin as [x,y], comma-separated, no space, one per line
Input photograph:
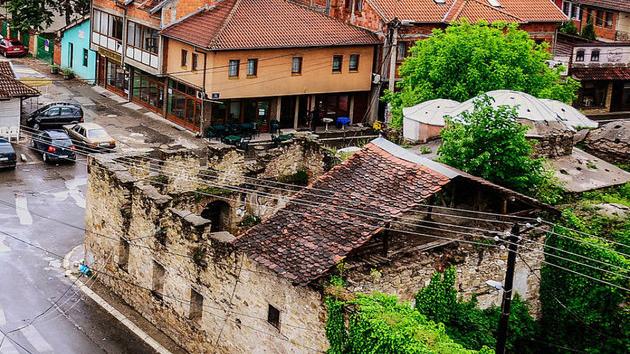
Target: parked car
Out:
[54,145]
[7,154]
[12,47]
[91,136]
[55,116]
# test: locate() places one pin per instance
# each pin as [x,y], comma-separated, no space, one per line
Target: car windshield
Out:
[5,147]
[61,143]
[16,43]
[97,134]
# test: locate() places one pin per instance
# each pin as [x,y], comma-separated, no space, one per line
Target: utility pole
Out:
[502,332]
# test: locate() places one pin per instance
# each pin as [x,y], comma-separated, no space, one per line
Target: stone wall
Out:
[610,142]
[236,292]
[475,264]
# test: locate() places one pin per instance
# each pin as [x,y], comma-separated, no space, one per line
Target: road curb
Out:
[110,309]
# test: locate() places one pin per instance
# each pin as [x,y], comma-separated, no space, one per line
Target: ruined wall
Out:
[236,291]
[475,264]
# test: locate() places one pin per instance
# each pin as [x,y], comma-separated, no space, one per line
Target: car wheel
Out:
[45,157]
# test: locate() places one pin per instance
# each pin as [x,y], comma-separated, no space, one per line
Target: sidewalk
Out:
[111,303]
[133,126]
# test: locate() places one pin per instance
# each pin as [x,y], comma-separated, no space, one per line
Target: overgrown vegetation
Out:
[379,323]
[490,143]
[249,220]
[569,28]
[469,325]
[299,178]
[465,60]
[203,192]
[573,304]
[588,31]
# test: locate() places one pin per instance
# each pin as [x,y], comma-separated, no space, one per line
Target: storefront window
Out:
[148,89]
[182,106]
[593,94]
[116,77]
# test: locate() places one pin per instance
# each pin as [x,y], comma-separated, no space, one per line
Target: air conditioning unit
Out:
[202,95]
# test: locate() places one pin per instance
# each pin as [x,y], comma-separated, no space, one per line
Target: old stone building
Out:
[177,250]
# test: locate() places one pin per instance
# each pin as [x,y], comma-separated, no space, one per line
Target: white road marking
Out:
[3,319]
[35,338]
[8,348]
[21,209]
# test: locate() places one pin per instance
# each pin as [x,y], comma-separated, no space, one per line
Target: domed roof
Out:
[569,115]
[527,106]
[430,112]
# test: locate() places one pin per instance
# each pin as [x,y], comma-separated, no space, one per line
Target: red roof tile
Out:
[302,242]
[428,11]
[250,24]
[10,87]
[601,73]
[621,5]
[476,10]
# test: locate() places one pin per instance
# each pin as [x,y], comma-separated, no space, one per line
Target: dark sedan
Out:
[7,155]
[54,145]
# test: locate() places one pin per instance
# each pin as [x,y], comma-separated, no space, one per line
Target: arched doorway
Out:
[218,212]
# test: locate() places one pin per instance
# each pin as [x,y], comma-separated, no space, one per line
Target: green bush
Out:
[569,28]
[469,325]
[380,324]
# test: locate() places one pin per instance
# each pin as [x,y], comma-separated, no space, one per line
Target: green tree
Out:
[490,143]
[71,8]
[588,31]
[466,60]
[30,14]
[569,28]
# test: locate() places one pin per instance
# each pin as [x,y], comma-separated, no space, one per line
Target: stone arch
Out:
[219,214]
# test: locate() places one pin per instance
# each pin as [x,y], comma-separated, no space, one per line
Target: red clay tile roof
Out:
[601,73]
[303,242]
[475,10]
[428,11]
[621,5]
[10,87]
[251,24]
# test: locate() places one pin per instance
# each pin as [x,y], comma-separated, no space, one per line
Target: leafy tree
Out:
[70,8]
[466,60]
[490,143]
[30,14]
[588,31]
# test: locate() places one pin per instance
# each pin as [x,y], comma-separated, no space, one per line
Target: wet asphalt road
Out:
[31,280]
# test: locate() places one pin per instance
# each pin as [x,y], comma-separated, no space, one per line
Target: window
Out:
[233,68]
[142,37]
[401,51]
[116,27]
[599,18]
[123,248]
[252,67]
[579,56]
[196,306]
[575,12]
[184,57]
[195,61]
[108,25]
[353,64]
[296,66]
[273,316]
[337,63]
[159,273]
[53,112]
[595,55]
[566,7]
[86,55]
[609,19]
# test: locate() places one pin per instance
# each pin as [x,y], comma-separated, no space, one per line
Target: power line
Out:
[295,200]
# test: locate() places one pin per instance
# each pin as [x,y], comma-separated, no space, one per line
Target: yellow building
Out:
[263,60]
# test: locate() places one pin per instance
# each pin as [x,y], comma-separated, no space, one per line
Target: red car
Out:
[11,47]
